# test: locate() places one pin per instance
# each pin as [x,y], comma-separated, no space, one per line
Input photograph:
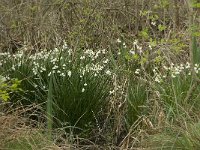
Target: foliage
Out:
[8,87]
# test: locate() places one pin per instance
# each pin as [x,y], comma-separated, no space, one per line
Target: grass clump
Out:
[80,87]
[137,100]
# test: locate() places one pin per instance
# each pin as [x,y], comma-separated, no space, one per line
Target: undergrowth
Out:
[108,77]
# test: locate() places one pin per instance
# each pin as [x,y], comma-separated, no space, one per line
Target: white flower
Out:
[196,69]
[173,76]
[83,72]
[139,48]
[165,67]
[83,90]
[187,65]
[111,92]
[119,53]
[69,73]
[7,77]
[103,51]
[97,54]
[49,74]
[90,53]
[13,67]
[70,52]
[53,60]
[157,79]
[85,84]
[135,42]
[150,47]
[105,61]
[177,72]
[19,64]
[181,67]
[153,23]
[42,68]
[119,41]
[35,85]
[137,71]
[132,52]
[55,67]
[56,50]
[65,45]
[62,75]
[82,57]
[108,72]
[124,44]
[34,71]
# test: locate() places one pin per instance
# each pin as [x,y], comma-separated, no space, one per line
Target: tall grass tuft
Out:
[49,108]
[75,89]
[174,95]
[137,100]
[196,51]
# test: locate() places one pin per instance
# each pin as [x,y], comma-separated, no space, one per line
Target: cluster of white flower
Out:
[175,70]
[59,62]
[136,47]
[157,75]
[96,62]
[137,71]
[115,89]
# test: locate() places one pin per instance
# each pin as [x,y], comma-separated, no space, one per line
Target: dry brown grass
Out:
[84,23]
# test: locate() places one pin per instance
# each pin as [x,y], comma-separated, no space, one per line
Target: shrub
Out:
[7,88]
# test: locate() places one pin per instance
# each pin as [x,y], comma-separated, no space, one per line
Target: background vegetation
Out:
[96,74]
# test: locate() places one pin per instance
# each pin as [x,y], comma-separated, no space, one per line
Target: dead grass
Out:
[17,133]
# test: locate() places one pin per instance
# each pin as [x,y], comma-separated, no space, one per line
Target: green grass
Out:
[137,100]
[185,137]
